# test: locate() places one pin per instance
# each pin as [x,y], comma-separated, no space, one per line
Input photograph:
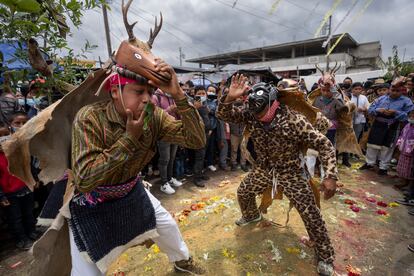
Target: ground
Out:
[372,237]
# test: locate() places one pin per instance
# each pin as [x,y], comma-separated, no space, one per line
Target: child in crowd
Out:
[16,198]
[405,163]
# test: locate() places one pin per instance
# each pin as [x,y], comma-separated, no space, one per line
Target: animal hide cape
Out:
[48,135]
[346,140]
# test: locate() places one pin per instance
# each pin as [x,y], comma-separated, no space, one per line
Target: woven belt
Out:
[105,193]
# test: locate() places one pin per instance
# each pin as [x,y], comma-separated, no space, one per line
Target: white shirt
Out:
[360,101]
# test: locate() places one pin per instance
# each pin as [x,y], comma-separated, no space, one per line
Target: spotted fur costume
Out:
[278,165]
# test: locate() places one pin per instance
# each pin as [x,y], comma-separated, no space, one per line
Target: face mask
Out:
[168,95]
[346,85]
[203,99]
[4,138]
[411,121]
[211,95]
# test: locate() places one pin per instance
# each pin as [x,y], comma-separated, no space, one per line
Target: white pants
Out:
[169,241]
[384,155]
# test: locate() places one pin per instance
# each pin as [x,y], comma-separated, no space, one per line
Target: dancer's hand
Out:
[135,127]
[172,87]
[238,88]
[328,187]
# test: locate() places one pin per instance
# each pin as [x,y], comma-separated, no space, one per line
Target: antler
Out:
[319,69]
[334,69]
[157,29]
[129,28]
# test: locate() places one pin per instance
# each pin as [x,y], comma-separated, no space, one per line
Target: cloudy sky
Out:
[204,27]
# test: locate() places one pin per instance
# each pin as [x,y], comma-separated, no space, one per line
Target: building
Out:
[289,59]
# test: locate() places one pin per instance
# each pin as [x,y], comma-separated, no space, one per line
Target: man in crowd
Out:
[166,151]
[278,134]
[362,104]
[346,85]
[213,138]
[111,142]
[380,88]
[200,103]
[388,111]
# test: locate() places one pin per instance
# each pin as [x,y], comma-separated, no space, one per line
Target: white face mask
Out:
[411,121]
[4,138]
[203,99]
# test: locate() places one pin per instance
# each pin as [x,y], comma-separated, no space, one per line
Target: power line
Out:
[263,18]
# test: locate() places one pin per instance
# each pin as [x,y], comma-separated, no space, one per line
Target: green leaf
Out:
[30,6]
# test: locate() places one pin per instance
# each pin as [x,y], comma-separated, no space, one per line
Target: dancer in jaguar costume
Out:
[278,133]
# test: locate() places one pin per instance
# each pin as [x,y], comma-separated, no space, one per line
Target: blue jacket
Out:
[401,105]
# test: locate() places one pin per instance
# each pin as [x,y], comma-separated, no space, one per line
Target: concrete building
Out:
[289,59]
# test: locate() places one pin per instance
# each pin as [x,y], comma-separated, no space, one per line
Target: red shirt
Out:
[8,182]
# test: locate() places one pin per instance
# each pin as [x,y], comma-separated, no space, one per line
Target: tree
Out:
[395,67]
[29,21]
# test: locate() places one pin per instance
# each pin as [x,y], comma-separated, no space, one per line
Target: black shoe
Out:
[205,177]
[24,244]
[411,247]
[188,174]
[406,201]
[382,172]
[366,167]
[233,168]
[198,181]
[244,168]
[346,164]
[34,235]
[411,212]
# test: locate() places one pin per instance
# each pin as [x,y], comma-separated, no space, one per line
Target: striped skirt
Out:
[405,166]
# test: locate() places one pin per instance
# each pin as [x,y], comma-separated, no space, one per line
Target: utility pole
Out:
[181,56]
[329,41]
[107,33]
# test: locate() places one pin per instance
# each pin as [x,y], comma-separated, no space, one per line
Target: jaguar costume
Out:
[278,164]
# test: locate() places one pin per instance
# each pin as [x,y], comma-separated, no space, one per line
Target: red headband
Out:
[117,79]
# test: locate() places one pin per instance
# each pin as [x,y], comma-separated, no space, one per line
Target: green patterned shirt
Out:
[104,154]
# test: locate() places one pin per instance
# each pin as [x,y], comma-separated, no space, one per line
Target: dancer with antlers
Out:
[106,207]
[111,142]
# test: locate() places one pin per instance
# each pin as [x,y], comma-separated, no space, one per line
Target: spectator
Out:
[380,88]
[362,105]
[346,85]
[302,86]
[17,200]
[8,105]
[410,85]
[406,161]
[236,136]
[167,151]
[213,138]
[191,90]
[388,111]
[200,102]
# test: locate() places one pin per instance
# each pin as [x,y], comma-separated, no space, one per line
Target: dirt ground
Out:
[373,243]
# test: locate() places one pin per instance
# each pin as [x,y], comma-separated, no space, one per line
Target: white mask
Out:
[4,138]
